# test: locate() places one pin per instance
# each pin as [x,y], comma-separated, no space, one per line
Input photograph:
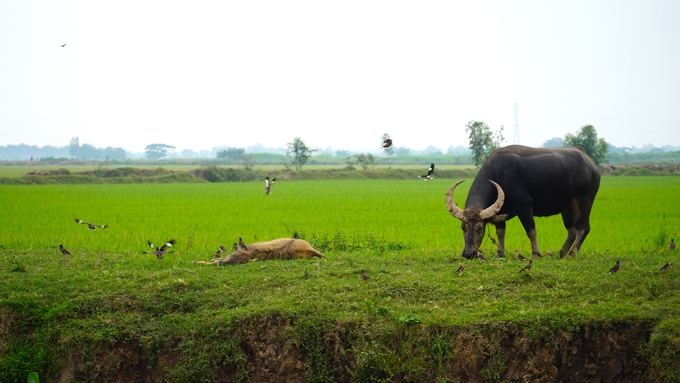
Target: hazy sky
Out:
[199,74]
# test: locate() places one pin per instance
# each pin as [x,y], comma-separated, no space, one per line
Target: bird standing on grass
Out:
[63,250]
[234,247]
[159,251]
[428,176]
[527,267]
[481,257]
[90,225]
[671,244]
[364,276]
[520,256]
[268,185]
[666,266]
[615,268]
[241,244]
[222,249]
[461,269]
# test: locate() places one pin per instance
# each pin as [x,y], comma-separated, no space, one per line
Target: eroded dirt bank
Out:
[277,349]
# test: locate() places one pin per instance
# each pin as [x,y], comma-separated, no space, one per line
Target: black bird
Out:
[666,266]
[428,176]
[90,225]
[615,268]
[234,247]
[387,143]
[364,276]
[671,244]
[268,185]
[241,244]
[222,249]
[527,267]
[461,269]
[295,235]
[63,45]
[159,251]
[520,256]
[63,250]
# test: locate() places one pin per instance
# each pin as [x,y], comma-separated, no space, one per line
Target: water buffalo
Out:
[529,182]
[284,249]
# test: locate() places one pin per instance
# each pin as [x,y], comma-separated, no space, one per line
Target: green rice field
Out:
[110,313]
[629,214]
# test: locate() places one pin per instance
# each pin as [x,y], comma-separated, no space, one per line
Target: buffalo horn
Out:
[453,208]
[493,209]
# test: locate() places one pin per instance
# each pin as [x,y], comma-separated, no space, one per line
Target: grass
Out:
[405,319]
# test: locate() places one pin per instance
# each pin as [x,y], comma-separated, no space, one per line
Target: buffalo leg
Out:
[530,227]
[500,234]
[569,219]
[581,223]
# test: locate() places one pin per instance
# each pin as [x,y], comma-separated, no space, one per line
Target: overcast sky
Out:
[200,74]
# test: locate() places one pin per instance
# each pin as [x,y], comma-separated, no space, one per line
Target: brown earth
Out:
[498,352]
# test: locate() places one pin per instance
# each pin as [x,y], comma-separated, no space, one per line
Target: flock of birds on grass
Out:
[165,248]
[158,251]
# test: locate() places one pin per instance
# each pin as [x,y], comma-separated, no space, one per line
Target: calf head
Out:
[474,219]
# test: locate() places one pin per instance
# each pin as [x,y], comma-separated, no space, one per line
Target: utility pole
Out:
[516,138]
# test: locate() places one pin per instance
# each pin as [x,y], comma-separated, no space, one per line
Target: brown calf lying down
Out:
[283,249]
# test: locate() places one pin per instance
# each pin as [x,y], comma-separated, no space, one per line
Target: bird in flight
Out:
[615,268]
[387,143]
[90,225]
[268,185]
[527,267]
[63,250]
[428,176]
[63,45]
[159,251]
[666,266]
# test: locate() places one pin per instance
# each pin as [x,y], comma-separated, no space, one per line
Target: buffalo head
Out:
[474,219]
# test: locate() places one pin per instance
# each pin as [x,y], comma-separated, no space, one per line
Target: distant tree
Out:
[232,153]
[586,138]
[342,153]
[74,147]
[298,153]
[157,151]
[89,152]
[365,160]
[554,142]
[482,140]
[402,151]
[388,151]
[432,151]
[249,161]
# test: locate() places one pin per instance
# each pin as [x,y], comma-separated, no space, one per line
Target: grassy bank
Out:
[85,313]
